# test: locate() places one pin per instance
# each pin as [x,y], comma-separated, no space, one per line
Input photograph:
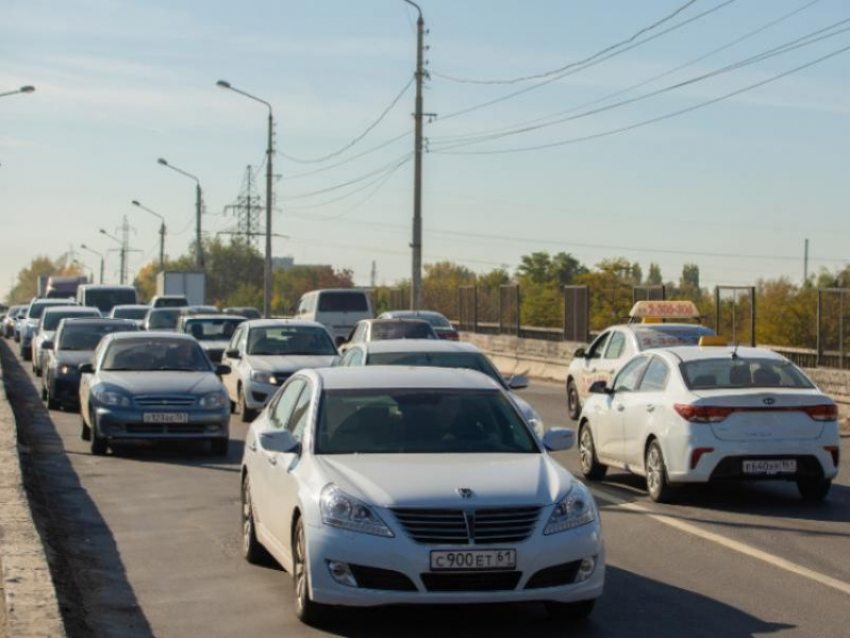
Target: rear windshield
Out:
[343,302]
[171,302]
[52,318]
[86,336]
[248,313]
[182,355]
[434,318]
[290,340]
[465,360]
[38,309]
[105,299]
[130,313]
[661,336]
[163,319]
[405,421]
[402,330]
[212,329]
[717,374]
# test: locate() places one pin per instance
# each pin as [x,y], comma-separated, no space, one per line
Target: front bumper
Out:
[403,556]
[128,423]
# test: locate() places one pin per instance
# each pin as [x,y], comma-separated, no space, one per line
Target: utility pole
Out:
[805,261]
[267,265]
[199,253]
[416,288]
[374,276]
[247,210]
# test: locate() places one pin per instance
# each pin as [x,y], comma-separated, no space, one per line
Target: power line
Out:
[545,74]
[397,161]
[384,113]
[631,127]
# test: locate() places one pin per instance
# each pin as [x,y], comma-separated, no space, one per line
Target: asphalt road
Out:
[147,542]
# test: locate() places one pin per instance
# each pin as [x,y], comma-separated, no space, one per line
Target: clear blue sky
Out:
[120,83]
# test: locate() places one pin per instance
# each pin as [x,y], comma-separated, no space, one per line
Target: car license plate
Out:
[473,560]
[782,466]
[166,417]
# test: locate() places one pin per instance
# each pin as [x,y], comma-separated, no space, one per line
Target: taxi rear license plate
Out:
[782,466]
[166,417]
[473,560]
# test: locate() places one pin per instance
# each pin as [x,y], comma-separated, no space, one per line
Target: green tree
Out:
[26,286]
[654,277]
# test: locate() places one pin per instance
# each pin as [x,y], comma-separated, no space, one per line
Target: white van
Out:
[337,309]
[105,298]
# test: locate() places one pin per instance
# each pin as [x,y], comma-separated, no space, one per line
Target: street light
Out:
[136,202]
[267,272]
[91,250]
[122,251]
[199,254]
[23,89]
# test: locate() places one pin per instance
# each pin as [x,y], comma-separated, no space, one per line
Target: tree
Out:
[654,277]
[637,274]
[610,292]
[690,277]
[26,286]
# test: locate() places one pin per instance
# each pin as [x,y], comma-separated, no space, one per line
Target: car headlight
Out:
[112,398]
[212,400]
[341,510]
[64,370]
[574,510]
[262,377]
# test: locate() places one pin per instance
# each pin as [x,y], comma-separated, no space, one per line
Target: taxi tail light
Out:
[702,413]
[833,449]
[697,454]
[826,412]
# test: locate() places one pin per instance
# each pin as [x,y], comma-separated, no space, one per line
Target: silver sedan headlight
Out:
[64,370]
[111,398]
[213,400]
[574,510]
[341,510]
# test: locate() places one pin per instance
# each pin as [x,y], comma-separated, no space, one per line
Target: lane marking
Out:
[728,543]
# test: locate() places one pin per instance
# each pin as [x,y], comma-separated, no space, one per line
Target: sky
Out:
[735,186]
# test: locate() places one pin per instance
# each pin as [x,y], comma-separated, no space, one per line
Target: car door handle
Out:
[650,408]
[272,459]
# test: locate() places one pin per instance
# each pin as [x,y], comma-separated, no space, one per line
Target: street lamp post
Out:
[23,89]
[136,202]
[123,252]
[84,247]
[199,254]
[267,274]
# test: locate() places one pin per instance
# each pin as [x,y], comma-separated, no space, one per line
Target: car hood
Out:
[153,382]
[214,345]
[289,363]
[72,357]
[433,480]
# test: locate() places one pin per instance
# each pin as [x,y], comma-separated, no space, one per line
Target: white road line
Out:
[728,543]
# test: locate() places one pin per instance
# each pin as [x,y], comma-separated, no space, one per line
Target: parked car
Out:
[380,329]
[29,323]
[415,486]
[442,326]
[440,354]
[153,386]
[74,344]
[106,297]
[265,352]
[162,319]
[169,301]
[698,415]
[134,312]
[46,328]
[337,309]
[244,311]
[8,326]
[213,332]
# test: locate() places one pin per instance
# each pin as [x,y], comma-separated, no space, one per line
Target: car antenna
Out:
[735,350]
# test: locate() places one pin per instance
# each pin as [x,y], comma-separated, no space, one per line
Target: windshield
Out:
[86,336]
[661,336]
[130,313]
[51,319]
[353,301]
[466,360]
[290,340]
[104,299]
[155,354]
[434,318]
[36,310]
[729,373]
[420,422]
[171,302]
[382,330]
[163,319]
[212,329]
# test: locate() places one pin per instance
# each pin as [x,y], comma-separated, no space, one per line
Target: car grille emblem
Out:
[464,492]
[769,401]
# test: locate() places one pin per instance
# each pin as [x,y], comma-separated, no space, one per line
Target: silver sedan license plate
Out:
[781,466]
[473,560]
[166,417]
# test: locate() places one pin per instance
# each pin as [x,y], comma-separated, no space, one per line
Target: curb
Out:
[32,608]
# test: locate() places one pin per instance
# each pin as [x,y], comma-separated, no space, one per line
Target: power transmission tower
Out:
[247,209]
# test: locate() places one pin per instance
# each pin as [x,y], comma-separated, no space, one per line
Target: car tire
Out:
[37,371]
[220,447]
[252,550]
[52,404]
[573,400]
[26,355]
[591,468]
[657,485]
[306,610]
[99,445]
[814,489]
[43,392]
[570,611]
[246,414]
[85,430]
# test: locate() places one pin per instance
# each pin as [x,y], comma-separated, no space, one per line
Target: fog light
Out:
[586,569]
[341,573]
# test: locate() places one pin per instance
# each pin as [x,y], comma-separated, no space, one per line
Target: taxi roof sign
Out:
[716,340]
[643,310]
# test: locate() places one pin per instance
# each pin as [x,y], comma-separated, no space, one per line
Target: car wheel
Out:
[43,392]
[247,415]
[573,400]
[85,430]
[52,404]
[37,371]
[570,611]
[657,484]
[307,611]
[814,489]
[220,447]
[590,465]
[99,445]
[252,550]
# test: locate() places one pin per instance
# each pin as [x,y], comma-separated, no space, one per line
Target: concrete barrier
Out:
[32,608]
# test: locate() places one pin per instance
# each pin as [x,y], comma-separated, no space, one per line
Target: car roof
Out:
[695,353]
[110,286]
[217,317]
[400,314]
[131,305]
[176,309]
[100,321]
[44,301]
[82,310]
[272,323]
[637,327]
[417,345]
[324,290]
[152,334]
[169,296]
[400,377]
[396,320]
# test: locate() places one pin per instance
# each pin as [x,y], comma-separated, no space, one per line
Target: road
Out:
[148,544]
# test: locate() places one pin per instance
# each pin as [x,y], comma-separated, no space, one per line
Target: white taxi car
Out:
[700,414]
[652,324]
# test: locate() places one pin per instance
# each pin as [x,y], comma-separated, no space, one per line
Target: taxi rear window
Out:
[661,336]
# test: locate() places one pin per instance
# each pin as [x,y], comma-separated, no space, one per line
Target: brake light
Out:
[702,413]
[833,449]
[827,412]
[697,454]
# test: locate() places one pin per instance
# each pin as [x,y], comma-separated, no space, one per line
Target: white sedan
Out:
[378,485]
[699,414]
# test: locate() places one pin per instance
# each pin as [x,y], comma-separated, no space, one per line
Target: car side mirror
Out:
[47,345]
[86,368]
[233,354]
[280,441]
[600,387]
[558,439]
[222,370]
[581,353]
[518,382]
[339,341]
